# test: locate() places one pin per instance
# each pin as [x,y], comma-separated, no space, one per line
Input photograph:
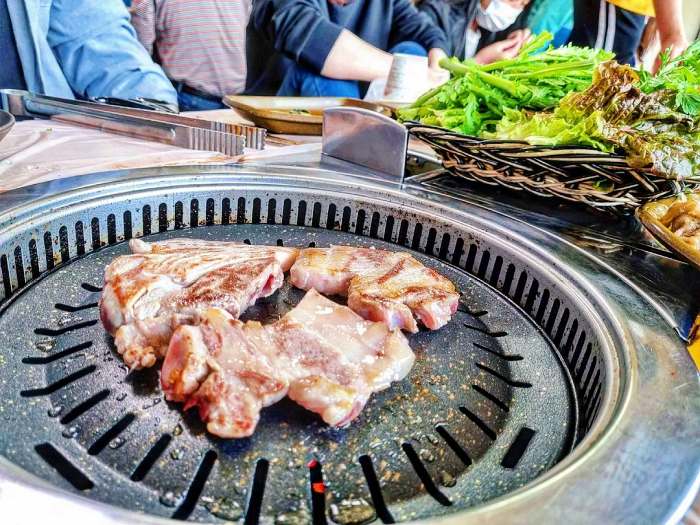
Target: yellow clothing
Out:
[642,7]
[694,347]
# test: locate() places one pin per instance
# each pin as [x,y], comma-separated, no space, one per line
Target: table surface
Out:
[39,150]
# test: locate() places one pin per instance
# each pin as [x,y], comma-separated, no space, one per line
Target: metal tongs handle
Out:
[167,128]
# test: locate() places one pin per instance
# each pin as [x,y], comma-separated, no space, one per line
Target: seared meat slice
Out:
[321,354]
[391,287]
[683,219]
[162,285]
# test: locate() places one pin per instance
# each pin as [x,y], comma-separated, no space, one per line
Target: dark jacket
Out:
[281,32]
[454,16]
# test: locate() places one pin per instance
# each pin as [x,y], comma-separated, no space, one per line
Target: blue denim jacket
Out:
[84,48]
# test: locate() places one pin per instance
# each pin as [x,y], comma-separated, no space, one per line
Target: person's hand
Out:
[434,56]
[674,43]
[503,49]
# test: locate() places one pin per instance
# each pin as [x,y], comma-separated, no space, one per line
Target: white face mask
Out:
[497,16]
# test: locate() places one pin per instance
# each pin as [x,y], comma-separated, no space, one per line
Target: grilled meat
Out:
[161,285]
[391,287]
[683,219]
[322,355]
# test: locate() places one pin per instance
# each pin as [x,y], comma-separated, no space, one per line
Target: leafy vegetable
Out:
[614,114]
[477,96]
[679,78]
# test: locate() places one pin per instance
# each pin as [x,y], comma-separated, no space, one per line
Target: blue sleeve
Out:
[411,25]
[99,53]
[298,28]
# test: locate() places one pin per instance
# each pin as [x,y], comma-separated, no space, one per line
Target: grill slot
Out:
[32,360]
[83,407]
[257,492]
[317,490]
[518,448]
[65,468]
[422,473]
[196,487]
[119,427]
[53,387]
[149,460]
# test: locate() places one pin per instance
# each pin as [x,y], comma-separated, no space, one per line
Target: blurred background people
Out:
[333,47]
[83,48]
[617,25]
[199,43]
[555,16]
[486,30]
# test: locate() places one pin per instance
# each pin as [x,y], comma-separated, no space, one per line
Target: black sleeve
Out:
[411,25]
[298,28]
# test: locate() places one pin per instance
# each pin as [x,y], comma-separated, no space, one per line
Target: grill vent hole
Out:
[444,247]
[65,468]
[257,492]
[162,217]
[84,406]
[345,224]
[458,449]
[506,380]
[389,229]
[478,422]
[19,266]
[151,457]
[146,218]
[316,215]
[53,332]
[226,211]
[63,243]
[57,385]
[318,493]
[417,236]
[430,242]
[79,238]
[209,214]
[420,470]
[179,216]
[71,308]
[34,258]
[44,360]
[471,257]
[360,223]
[330,217]
[196,487]
[403,233]
[240,211]
[374,225]
[517,448]
[271,211]
[111,229]
[128,226]
[301,213]
[95,232]
[194,213]
[488,395]
[500,355]
[256,211]
[5,275]
[375,489]
[119,427]
[48,249]
[90,287]
[286,211]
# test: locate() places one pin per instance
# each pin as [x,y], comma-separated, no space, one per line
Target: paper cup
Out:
[407,78]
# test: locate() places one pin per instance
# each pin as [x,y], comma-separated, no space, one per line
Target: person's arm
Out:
[351,58]
[669,20]
[301,30]
[143,18]
[411,25]
[100,55]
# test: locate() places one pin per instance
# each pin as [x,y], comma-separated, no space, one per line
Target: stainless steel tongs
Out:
[176,130]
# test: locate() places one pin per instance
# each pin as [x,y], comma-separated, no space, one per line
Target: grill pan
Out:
[528,379]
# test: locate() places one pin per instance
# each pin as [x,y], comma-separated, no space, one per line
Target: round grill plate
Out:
[487,407]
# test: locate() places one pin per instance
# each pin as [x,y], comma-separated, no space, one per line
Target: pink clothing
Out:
[200,43]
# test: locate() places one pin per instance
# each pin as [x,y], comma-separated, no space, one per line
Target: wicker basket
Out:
[576,174]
